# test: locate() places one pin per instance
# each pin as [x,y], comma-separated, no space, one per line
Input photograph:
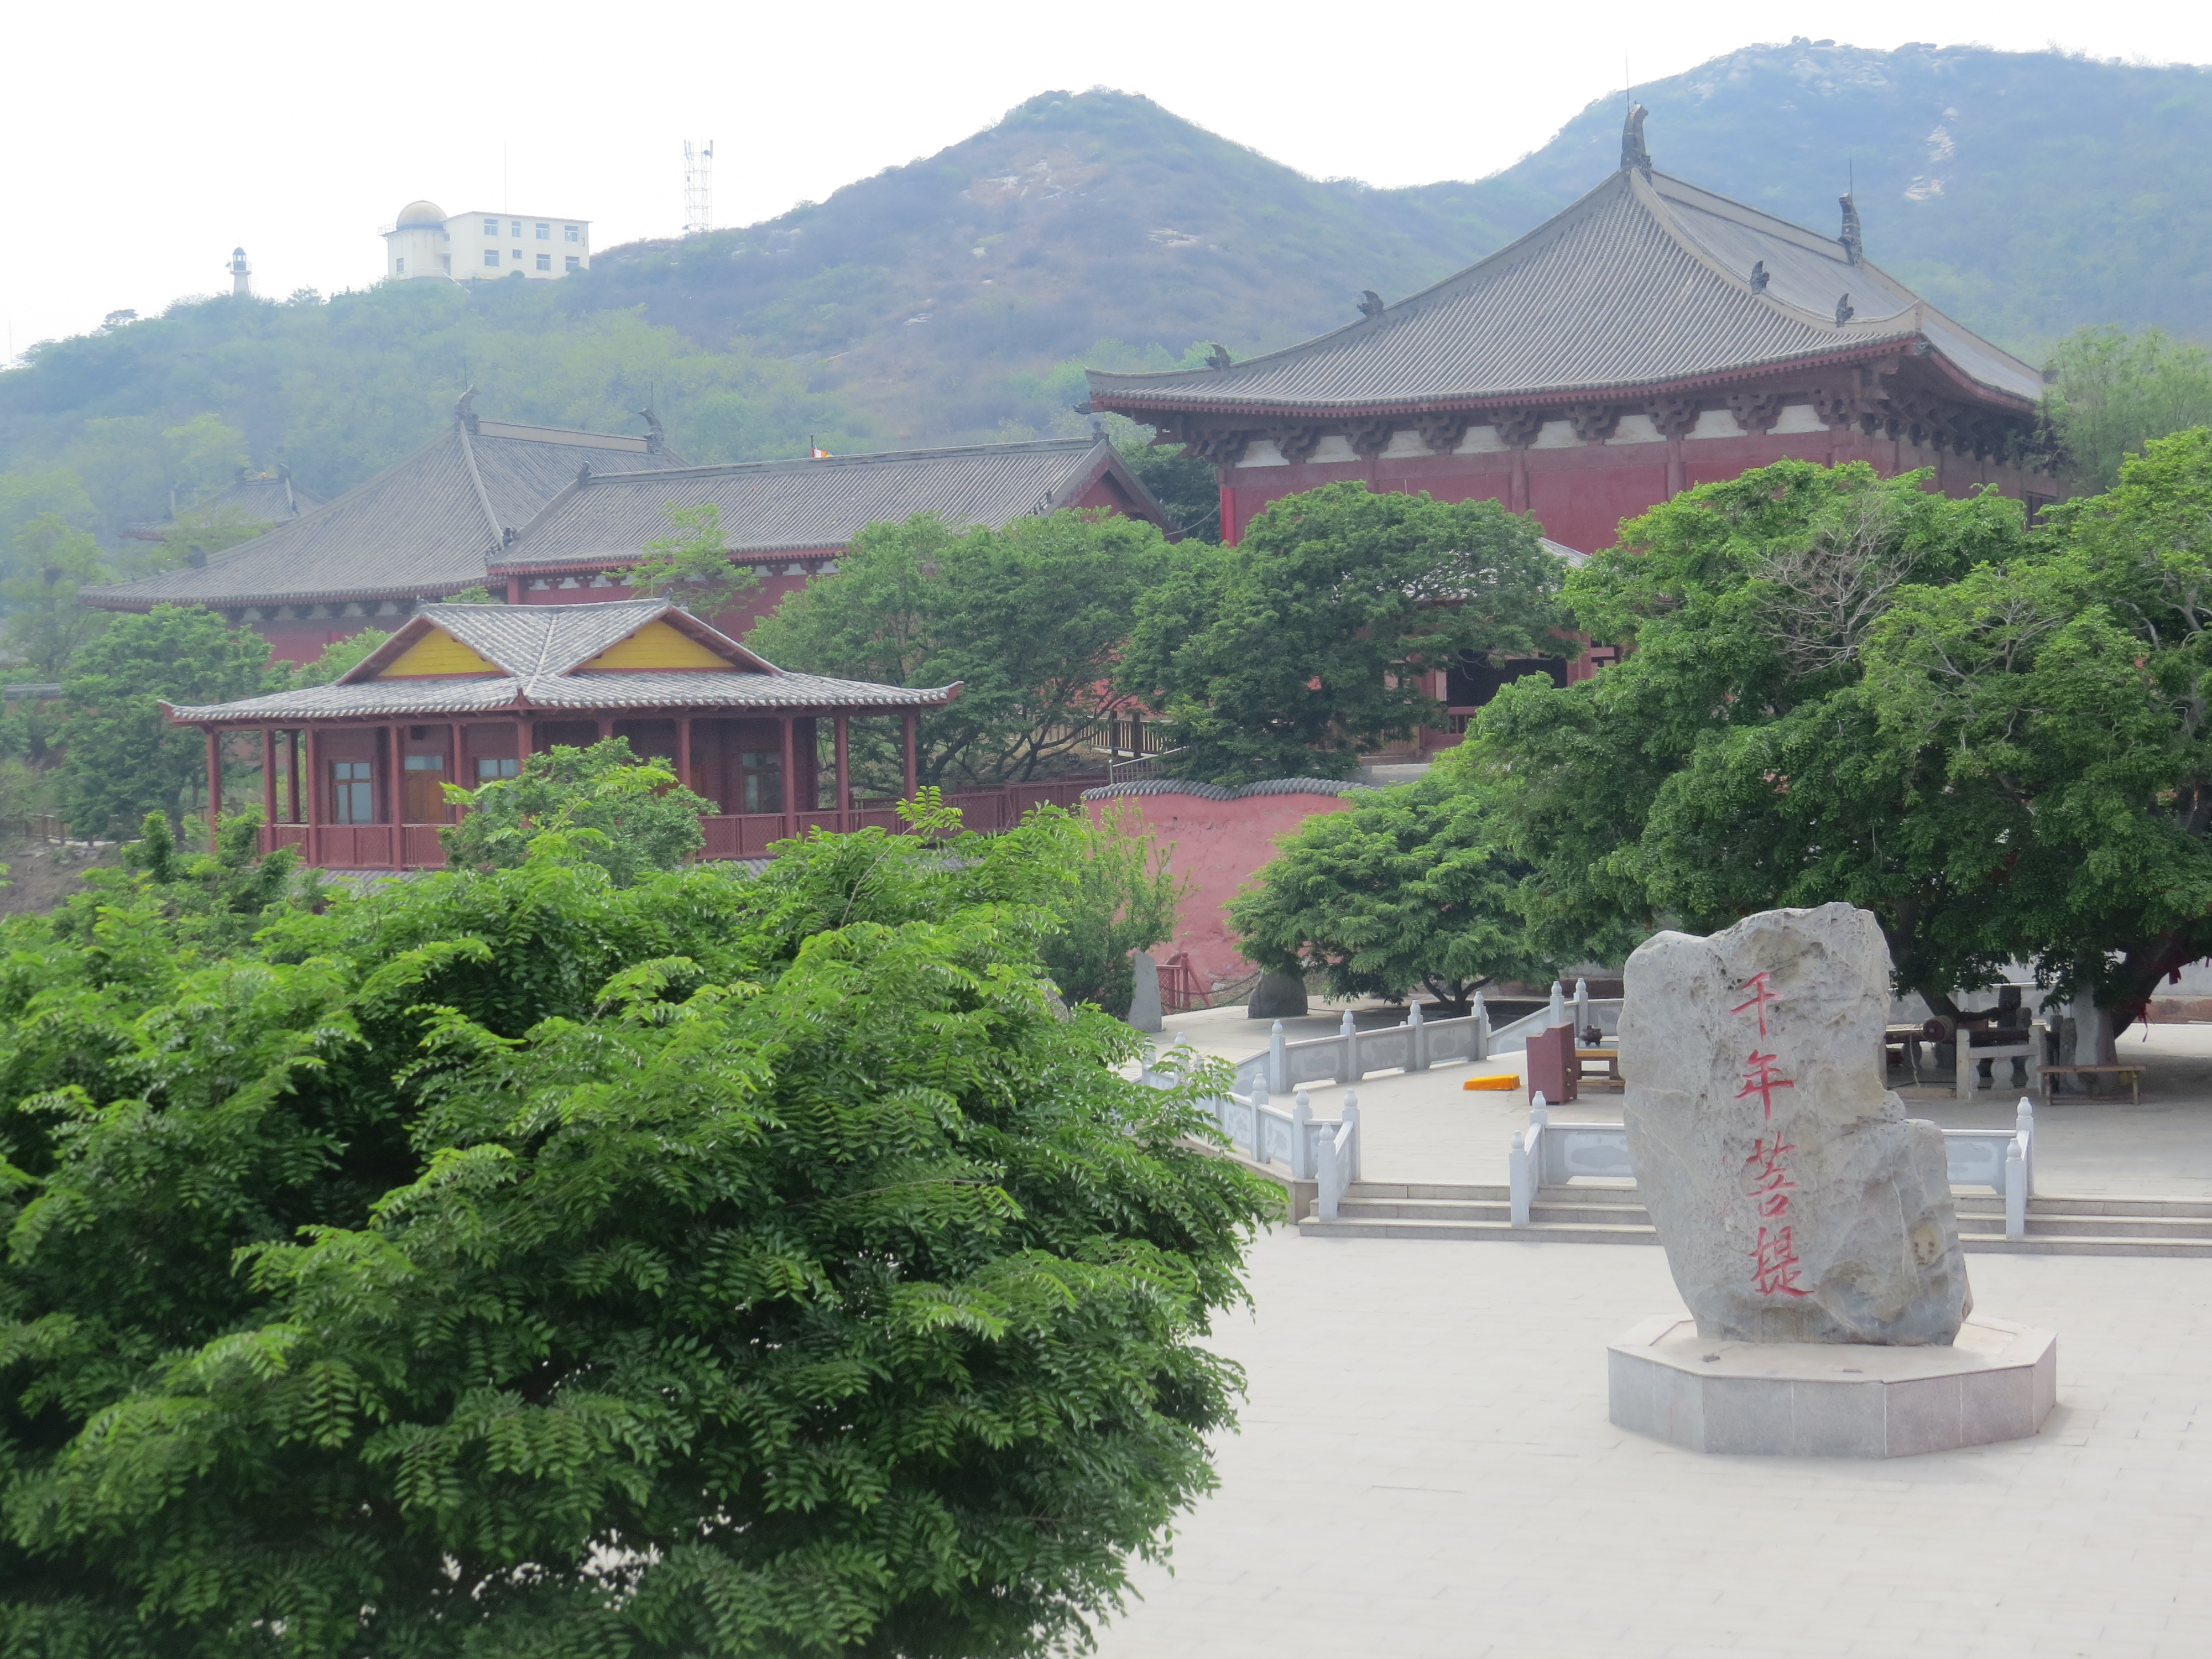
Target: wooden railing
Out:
[729,836]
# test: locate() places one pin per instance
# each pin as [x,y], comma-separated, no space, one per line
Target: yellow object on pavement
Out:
[1507,1081]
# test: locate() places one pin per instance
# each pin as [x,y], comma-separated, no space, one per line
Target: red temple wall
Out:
[1580,493]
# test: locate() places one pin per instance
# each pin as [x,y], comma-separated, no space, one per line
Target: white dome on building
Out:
[421,213]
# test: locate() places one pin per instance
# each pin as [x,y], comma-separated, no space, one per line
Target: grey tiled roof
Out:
[770,506]
[1217,791]
[1645,282]
[424,526]
[540,647]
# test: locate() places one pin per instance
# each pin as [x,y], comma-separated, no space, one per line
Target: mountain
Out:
[956,298]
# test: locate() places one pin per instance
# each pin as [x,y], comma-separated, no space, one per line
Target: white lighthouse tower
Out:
[240,272]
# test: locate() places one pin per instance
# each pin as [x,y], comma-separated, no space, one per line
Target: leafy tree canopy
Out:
[1286,655]
[1123,899]
[125,760]
[1409,886]
[608,808]
[692,567]
[2114,390]
[518,1261]
[1847,688]
[1028,619]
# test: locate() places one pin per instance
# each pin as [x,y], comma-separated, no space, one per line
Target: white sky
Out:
[144,141]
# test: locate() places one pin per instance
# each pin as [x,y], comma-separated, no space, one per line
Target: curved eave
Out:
[582,562]
[1858,352]
[112,599]
[211,716]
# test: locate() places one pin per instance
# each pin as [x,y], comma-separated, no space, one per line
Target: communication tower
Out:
[698,187]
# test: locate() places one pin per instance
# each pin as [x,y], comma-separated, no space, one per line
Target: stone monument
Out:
[1144,999]
[1806,1220]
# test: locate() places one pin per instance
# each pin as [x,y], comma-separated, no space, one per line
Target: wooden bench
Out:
[2132,1074]
[1610,1077]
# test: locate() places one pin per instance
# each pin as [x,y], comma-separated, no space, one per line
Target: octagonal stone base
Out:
[1998,1381]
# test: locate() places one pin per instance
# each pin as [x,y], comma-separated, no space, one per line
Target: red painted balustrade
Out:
[729,836]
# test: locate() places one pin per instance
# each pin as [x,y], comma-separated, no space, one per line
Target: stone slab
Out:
[1998,1381]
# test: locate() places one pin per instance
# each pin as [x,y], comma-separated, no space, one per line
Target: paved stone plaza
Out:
[1425,1469]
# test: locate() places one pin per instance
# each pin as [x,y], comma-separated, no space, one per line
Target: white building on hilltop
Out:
[425,242]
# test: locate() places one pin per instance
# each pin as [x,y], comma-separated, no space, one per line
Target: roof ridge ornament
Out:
[464,410]
[1216,358]
[1844,311]
[654,436]
[1853,239]
[1758,276]
[1632,151]
[1370,304]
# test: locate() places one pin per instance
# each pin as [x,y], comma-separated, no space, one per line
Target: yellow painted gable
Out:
[436,653]
[656,645]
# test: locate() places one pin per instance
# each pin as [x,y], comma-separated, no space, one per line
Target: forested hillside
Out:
[959,297]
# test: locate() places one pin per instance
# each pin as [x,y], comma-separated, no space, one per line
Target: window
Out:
[489,770]
[399,267]
[574,263]
[545,232]
[763,771]
[353,796]
[420,785]
[518,256]
[491,226]
[518,230]
[545,262]
[568,234]
[491,256]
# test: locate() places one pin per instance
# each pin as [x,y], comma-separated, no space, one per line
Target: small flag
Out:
[814,453]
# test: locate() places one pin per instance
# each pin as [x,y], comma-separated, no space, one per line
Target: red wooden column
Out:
[215,783]
[844,775]
[455,762]
[314,798]
[292,775]
[387,788]
[269,782]
[790,789]
[912,746]
[683,753]
[522,743]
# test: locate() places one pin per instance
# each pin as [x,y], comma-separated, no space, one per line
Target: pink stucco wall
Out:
[1219,846]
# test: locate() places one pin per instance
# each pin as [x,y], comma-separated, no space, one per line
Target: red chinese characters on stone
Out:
[1775,1266]
[1761,993]
[1760,1079]
[1771,1185]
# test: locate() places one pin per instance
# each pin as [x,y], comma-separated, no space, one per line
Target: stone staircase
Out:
[1615,1215]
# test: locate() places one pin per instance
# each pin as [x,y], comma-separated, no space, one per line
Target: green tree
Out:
[626,815]
[339,657]
[2114,389]
[1185,485]
[1286,655]
[1407,886]
[692,567]
[517,1262]
[46,625]
[205,529]
[31,491]
[1029,619]
[1736,760]
[123,758]
[1124,899]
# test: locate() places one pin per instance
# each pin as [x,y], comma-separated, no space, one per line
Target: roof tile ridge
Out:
[1662,216]
[484,496]
[1520,247]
